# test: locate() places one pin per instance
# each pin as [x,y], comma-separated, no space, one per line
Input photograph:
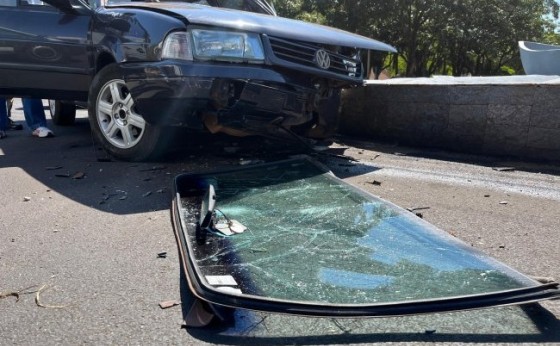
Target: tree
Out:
[456,37]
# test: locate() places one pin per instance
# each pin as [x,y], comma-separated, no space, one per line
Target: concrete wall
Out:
[510,116]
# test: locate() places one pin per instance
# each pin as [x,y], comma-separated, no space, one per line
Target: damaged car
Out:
[144,67]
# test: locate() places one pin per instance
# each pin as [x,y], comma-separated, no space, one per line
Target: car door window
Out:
[8,3]
[35,4]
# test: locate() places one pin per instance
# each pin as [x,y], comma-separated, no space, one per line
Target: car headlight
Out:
[177,45]
[227,46]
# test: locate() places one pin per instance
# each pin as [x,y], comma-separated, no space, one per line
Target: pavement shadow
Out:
[505,163]
[72,164]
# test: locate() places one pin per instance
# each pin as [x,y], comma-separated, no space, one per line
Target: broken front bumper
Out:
[251,98]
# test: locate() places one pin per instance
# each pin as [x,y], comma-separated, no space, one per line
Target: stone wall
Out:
[509,116]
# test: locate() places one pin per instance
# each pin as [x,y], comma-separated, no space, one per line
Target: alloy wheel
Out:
[116,115]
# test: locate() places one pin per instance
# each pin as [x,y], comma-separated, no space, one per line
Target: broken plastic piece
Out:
[169,304]
[230,227]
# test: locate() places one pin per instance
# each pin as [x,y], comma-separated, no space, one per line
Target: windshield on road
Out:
[313,239]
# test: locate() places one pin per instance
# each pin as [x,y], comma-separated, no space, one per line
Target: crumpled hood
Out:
[266,24]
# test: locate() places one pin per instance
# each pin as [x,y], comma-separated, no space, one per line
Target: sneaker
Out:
[12,125]
[3,134]
[42,132]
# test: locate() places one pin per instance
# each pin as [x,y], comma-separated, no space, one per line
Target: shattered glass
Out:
[311,237]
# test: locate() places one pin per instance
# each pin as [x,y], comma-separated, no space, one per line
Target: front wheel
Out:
[115,121]
[62,114]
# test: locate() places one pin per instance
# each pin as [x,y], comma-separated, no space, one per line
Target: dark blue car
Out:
[143,66]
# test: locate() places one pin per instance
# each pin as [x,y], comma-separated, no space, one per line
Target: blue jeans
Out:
[3,114]
[32,110]
[34,113]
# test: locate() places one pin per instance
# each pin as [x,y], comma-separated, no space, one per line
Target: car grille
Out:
[303,53]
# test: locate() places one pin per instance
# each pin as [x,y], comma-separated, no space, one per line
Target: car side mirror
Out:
[64,6]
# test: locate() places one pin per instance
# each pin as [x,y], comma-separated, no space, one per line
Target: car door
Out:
[44,52]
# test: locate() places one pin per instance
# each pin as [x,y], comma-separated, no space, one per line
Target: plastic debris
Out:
[169,304]
[79,175]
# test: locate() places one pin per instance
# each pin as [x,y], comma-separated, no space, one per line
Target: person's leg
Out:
[12,125]
[34,113]
[3,117]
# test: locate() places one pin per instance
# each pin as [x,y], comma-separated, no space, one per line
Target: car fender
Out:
[132,35]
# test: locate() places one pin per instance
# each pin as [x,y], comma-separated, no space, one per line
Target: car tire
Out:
[327,115]
[62,114]
[115,122]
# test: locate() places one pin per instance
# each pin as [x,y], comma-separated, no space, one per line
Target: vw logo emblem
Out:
[322,59]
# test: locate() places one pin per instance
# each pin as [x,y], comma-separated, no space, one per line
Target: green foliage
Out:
[477,37]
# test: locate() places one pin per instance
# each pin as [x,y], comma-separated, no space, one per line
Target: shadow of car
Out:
[143,67]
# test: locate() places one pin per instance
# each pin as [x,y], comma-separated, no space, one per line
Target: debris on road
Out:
[10,294]
[504,202]
[413,209]
[376,183]
[46,306]
[79,175]
[504,169]
[543,279]
[169,304]
[162,255]
[18,294]
[26,199]
[53,168]
[147,194]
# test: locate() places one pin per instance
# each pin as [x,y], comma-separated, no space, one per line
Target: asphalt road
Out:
[95,238]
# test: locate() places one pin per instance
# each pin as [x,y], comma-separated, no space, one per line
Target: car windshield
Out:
[258,6]
[313,239]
